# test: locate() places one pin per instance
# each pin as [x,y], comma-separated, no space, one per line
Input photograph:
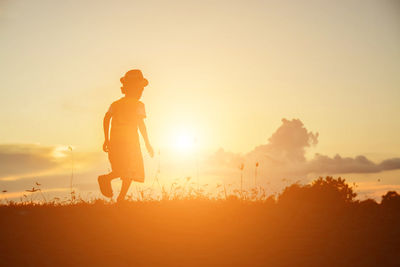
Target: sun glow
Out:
[184,140]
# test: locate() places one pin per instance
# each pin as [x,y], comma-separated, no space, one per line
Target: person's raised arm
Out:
[143,130]
[106,127]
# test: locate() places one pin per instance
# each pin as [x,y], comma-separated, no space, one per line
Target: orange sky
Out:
[223,72]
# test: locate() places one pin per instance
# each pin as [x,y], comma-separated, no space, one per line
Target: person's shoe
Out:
[105,185]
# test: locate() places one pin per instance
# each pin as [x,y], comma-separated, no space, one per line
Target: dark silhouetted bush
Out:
[321,192]
[391,200]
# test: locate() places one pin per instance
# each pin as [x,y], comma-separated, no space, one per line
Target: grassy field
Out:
[204,232]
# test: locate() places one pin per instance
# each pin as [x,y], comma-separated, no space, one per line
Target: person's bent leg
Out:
[112,176]
[105,183]
[126,182]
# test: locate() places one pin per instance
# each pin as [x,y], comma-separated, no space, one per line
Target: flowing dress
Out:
[124,150]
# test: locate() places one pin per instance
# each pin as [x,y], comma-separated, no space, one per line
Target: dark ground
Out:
[200,233]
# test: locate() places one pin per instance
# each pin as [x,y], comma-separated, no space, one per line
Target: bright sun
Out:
[184,141]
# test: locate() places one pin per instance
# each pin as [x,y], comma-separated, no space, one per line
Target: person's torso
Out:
[124,117]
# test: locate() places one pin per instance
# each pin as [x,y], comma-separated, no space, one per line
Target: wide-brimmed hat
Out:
[134,76]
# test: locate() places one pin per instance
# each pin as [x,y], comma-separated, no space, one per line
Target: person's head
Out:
[133,83]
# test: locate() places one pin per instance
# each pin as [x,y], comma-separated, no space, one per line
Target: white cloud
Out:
[284,157]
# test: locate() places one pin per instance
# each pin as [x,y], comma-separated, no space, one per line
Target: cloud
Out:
[284,157]
[20,160]
[17,159]
[288,143]
[390,164]
[22,165]
[359,164]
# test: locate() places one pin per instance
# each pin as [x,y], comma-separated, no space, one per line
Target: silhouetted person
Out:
[123,146]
